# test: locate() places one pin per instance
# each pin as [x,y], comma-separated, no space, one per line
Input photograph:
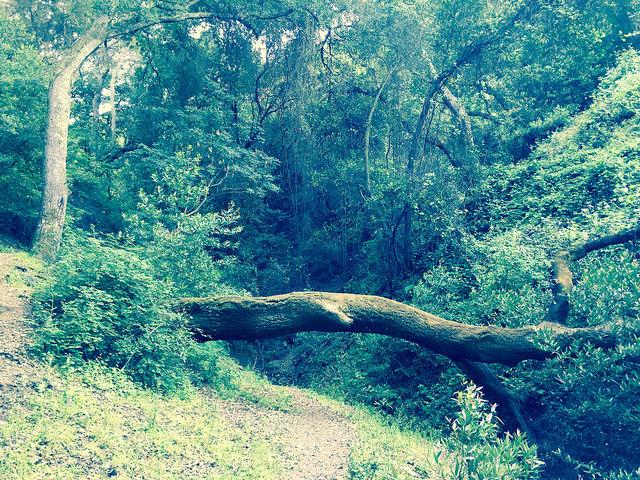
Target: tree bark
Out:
[55,192]
[251,318]
[562,285]
[562,275]
[457,108]
[367,132]
[624,236]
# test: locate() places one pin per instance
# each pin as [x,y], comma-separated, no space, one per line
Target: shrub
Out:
[105,304]
[481,453]
[592,393]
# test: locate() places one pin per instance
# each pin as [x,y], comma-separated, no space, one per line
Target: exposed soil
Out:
[313,441]
[16,370]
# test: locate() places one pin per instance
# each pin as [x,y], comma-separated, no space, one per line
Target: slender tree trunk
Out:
[456,107]
[414,151]
[367,133]
[112,100]
[55,191]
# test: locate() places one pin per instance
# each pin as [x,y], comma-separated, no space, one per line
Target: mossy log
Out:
[251,318]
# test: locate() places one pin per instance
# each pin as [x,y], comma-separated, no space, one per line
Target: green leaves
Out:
[587,171]
[106,305]
[480,453]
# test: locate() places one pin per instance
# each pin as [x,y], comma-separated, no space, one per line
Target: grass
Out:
[388,450]
[97,424]
[232,382]
[24,269]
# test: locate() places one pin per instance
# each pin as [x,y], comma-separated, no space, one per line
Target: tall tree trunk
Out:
[55,191]
[367,132]
[410,172]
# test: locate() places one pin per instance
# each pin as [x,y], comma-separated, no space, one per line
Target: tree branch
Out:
[603,242]
[562,276]
[250,318]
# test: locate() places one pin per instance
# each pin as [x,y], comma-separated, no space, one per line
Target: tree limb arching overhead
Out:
[251,318]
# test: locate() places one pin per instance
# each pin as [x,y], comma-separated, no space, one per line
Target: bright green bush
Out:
[592,393]
[482,454]
[586,173]
[105,304]
[503,285]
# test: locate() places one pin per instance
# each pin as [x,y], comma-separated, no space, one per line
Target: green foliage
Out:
[23,80]
[386,451]
[481,453]
[237,165]
[106,305]
[395,378]
[473,451]
[182,247]
[592,393]
[586,174]
[504,284]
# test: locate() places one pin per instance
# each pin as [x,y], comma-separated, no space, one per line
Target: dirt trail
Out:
[313,440]
[15,368]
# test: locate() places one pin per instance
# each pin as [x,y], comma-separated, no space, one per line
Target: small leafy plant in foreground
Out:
[480,453]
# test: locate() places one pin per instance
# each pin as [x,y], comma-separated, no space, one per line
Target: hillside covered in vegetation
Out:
[327,239]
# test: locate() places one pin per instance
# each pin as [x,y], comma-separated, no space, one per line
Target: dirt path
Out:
[15,368]
[313,440]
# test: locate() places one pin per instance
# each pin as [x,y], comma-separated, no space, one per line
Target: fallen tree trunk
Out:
[251,318]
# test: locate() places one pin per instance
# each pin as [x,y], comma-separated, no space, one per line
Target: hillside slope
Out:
[95,423]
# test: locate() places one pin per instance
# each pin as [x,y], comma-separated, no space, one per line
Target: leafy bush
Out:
[592,393]
[504,284]
[481,453]
[105,304]
[586,173]
[183,240]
